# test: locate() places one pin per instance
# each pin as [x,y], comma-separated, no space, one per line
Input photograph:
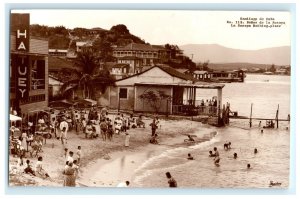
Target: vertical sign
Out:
[22,31]
[20,24]
[22,77]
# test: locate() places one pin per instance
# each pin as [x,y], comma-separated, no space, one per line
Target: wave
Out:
[170,157]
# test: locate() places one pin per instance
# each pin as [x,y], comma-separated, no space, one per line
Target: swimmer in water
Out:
[255,151]
[249,166]
[235,155]
[190,157]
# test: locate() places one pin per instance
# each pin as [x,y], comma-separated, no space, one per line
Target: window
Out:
[123,93]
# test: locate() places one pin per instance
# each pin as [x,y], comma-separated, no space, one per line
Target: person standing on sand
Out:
[69,173]
[172,182]
[78,153]
[153,127]
[127,137]
[63,126]
[217,156]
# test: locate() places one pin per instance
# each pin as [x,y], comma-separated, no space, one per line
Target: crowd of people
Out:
[93,123]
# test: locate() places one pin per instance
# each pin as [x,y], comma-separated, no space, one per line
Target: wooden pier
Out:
[272,125]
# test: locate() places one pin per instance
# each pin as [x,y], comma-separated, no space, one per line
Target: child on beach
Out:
[78,153]
[66,152]
[39,171]
[28,168]
[217,158]
[153,127]
[76,167]
[70,157]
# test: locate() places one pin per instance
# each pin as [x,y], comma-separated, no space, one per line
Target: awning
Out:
[85,103]
[13,118]
[91,102]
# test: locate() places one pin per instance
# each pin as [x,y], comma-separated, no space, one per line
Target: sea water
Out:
[271,163]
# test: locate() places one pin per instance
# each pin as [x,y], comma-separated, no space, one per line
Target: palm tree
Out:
[87,79]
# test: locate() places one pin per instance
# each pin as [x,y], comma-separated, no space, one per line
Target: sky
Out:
[176,27]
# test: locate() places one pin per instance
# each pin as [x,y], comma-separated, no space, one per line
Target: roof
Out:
[175,73]
[204,85]
[83,43]
[135,46]
[199,72]
[171,71]
[181,70]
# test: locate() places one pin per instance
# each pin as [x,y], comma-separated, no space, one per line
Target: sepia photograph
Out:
[149,98]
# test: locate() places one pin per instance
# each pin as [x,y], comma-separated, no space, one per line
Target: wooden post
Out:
[250,122]
[277,112]
[119,102]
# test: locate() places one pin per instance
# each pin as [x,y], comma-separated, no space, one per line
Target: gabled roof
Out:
[167,69]
[175,73]
[182,70]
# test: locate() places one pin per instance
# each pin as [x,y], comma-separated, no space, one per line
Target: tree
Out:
[203,66]
[120,29]
[154,98]
[87,79]
[103,50]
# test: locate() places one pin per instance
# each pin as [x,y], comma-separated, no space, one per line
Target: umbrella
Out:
[13,118]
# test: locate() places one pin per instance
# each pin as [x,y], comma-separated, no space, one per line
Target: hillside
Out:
[220,54]
[62,38]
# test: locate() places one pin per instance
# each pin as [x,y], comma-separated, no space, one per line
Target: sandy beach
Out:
[96,153]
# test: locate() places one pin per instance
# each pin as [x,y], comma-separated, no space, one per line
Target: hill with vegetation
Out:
[62,38]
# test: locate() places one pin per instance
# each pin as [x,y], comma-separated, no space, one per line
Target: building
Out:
[54,86]
[28,67]
[174,91]
[120,71]
[219,76]
[58,52]
[139,55]
[82,45]
[202,75]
